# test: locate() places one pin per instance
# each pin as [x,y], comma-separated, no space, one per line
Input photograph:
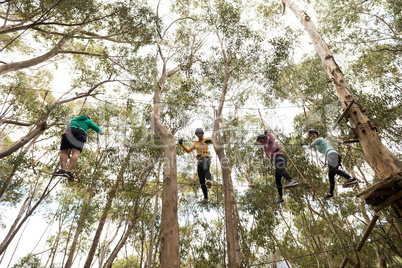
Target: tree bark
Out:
[231,213]
[151,236]
[169,246]
[375,153]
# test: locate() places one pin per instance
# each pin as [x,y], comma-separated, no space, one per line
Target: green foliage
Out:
[29,261]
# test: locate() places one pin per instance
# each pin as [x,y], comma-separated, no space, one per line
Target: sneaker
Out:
[70,176]
[280,201]
[209,184]
[59,172]
[349,182]
[328,196]
[203,202]
[291,184]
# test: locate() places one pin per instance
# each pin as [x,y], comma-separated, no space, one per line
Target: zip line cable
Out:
[29,26]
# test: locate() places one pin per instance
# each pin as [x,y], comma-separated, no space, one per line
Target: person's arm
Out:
[185,148]
[313,144]
[95,127]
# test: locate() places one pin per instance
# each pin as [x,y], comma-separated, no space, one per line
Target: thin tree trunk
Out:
[375,153]
[102,221]
[23,208]
[46,192]
[132,224]
[151,236]
[7,181]
[78,230]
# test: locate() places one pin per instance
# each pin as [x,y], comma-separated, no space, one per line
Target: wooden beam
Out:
[343,114]
[368,231]
[350,141]
[373,187]
[389,201]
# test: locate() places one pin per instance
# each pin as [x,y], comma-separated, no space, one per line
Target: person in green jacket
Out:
[332,159]
[74,139]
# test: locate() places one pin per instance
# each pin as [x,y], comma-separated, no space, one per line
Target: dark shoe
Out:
[280,201]
[349,182]
[59,172]
[328,196]
[209,184]
[70,176]
[291,184]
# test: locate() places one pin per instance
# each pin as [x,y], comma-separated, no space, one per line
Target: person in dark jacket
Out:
[74,139]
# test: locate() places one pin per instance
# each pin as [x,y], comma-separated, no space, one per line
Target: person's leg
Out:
[278,182]
[73,159]
[63,159]
[331,176]
[205,167]
[201,177]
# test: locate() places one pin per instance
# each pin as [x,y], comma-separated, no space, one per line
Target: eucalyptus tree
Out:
[177,46]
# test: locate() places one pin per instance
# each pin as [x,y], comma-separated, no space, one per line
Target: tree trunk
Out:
[169,246]
[151,236]
[132,224]
[46,192]
[102,221]
[78,231]
[231,213]
[375,153]
[7,181]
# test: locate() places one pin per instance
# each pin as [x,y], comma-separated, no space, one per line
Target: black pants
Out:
[280,165]
[334,161]
[73,138]
[203,172]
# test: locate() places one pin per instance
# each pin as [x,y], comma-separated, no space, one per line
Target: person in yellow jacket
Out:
[203,161]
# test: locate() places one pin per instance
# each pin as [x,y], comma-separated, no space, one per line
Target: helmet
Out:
[199,130]
[261,136]
[313,131]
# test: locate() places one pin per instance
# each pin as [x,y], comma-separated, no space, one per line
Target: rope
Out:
[5,100]
[34,162]
[241,160]
[311,152]
[34,140]
[82,171]
[124,145]
[146,158]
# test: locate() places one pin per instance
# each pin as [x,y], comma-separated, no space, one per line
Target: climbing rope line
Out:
[241,160]
[90,160]
[311,152]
